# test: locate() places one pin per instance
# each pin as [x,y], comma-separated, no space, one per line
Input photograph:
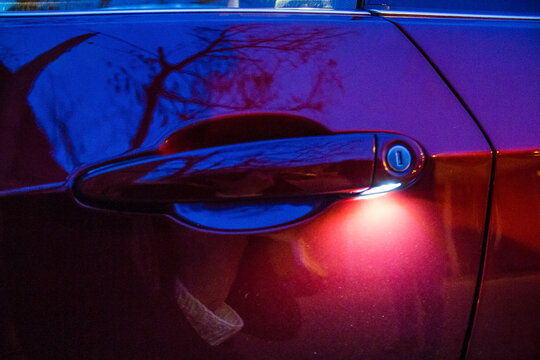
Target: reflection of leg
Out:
[208,267]
[262,297]
[214,327]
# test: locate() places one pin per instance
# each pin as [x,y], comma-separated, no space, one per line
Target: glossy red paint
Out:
[493,66]
[507,324]
[399,267]
[393,276]
[387,277]
[394,89]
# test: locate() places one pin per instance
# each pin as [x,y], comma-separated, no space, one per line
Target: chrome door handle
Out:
[259,182]
[281,168]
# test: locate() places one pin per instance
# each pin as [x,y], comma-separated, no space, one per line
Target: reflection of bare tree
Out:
[206,79]
[17,120]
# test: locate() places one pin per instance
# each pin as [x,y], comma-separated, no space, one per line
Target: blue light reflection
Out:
[235,217]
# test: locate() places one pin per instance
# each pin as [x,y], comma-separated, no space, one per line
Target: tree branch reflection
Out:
[235,70]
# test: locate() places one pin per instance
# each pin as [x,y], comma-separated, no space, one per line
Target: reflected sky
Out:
[112,94]
[232,217]
[91,101]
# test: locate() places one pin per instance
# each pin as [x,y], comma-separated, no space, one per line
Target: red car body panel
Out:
[507,320]
[387,277]
[493,65]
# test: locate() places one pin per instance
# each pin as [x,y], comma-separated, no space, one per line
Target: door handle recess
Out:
[338,165]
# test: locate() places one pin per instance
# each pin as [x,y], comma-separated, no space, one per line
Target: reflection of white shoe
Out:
[213,327]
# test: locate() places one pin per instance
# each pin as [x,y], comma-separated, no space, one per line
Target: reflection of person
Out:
[207,270]
[223,281]
[213,326]
[209,287]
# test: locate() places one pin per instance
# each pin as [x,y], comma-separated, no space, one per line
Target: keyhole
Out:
[399,158]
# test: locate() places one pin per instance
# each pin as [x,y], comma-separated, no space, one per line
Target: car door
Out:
[498,82]
[308,168]
[489,53]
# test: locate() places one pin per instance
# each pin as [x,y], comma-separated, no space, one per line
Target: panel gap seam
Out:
[484,248]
